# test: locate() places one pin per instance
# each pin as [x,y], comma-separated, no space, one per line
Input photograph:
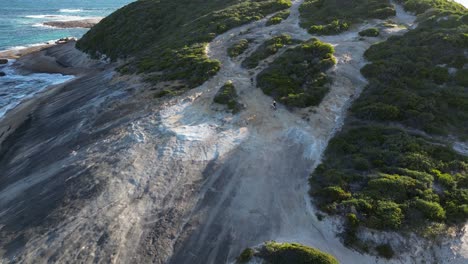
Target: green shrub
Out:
[462,77]
[238,48]
[284,253]
[444,179]
[378,111]
[440,75]
[246,255]
[385,250]
[431,210]
[335,27]
[334,193]
[388,215]
[278,18]
[267,49]
[370,32]
[227,95]
[297,78]
[327,17]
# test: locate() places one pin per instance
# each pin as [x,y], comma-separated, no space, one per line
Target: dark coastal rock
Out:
[65,40]
[84,23]
[2,74]
[3,61]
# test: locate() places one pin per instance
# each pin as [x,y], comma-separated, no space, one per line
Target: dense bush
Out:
[238,48]
[410,81]
[278,18]
[385,250]
[407,182]
[267,49]
[370,32]
[420,6]
[246,255]
[380,171]
[297,78]
[328,17]
[335,27]
[227,95]
[167,38]
[285,253]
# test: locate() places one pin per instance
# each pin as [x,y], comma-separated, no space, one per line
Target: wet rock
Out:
[2,74]
[3,61]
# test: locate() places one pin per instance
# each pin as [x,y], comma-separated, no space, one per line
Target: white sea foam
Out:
[58,17]
[41,25]
[15,88]
[65,10]
[15,48]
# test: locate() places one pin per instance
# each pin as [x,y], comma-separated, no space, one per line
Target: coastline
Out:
[16,53]
[61,58]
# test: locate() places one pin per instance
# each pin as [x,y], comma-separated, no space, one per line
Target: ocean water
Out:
[21,26]
[20,20]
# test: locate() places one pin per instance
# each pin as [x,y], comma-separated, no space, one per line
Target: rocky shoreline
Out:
[47,58]
[83,23]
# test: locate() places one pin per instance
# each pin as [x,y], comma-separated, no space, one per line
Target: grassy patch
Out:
[227,96]
[370,32]
[286,253]
[168,37]
[238,48]
[297,78]
[278,18]
[328,17]
[282,253]
[267,49]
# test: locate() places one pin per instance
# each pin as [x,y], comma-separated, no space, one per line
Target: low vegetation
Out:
[166,39]
[246,255]
[298,77]
[390,167]
[410,81]
[385,250]
[278,17]
[285,253]
[329,17]
[227,96]
[267,49]
[238,48]
[370,32]
[391,179]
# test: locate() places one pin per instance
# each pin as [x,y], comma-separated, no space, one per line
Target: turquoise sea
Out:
[20,20]
[21,26]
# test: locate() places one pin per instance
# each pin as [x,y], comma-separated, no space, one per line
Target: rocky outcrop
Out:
[84,23]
